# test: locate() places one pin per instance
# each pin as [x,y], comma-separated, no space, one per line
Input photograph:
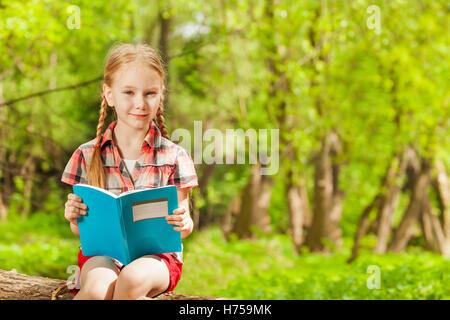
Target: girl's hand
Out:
[74,208]
[183,221]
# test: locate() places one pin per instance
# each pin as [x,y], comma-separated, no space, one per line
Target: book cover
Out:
[130,225]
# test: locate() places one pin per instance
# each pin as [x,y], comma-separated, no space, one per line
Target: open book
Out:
[130,225]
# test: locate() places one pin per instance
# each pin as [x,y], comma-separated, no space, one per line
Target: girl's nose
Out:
[139,102]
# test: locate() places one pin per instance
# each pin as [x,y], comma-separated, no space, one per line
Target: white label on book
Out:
[157,208]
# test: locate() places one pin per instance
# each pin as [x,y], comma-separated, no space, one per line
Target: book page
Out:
[150,209]
[99,189]
[131,191]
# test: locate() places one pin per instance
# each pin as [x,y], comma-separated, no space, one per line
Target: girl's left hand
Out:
[181,219]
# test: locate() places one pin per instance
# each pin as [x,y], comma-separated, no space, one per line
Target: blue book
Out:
[128,226]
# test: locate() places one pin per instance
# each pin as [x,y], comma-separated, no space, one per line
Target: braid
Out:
[101,120]
[161,122]
[96,175]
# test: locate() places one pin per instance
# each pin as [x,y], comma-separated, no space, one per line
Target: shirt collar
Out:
[152,138]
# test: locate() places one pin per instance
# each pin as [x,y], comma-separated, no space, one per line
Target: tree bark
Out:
[27,173]
[253,211]
[433,233]
[405,230]
[389,204]
[443,192]
[3,164]
[17,286]
[163,45]
[299,211]
[363,226]
[327,198]
[231,212]
[207,173]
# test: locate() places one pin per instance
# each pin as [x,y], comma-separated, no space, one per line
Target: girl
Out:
[133,153]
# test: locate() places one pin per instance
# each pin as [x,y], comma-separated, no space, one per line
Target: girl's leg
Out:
[97,279]
[146,276]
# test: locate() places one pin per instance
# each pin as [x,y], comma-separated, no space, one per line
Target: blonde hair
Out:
[118,56]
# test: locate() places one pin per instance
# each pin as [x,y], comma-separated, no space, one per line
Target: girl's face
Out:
[136,94]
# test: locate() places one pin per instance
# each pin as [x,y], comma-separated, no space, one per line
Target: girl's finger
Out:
[173,221]
[180,228]
[176,224]
[184,224]
[179,210]
[74,197]
[179,222]
[174,218]
[78,211]
[79,205]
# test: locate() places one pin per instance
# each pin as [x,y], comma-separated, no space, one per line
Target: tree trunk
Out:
[17,286]
[299,211]
[231,212]
[323,192]
[394,179]
[164,22]
[405,230]
[27,173]
[3,163]
[443,192]
[332,229]
[363,225]
[296,216]
[207,173]
[434,235]
[327,198]
[385,203]
[253,211]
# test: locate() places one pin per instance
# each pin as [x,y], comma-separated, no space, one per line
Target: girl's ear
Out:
[107,93]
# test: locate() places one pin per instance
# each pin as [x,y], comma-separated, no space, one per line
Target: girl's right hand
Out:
[74,208]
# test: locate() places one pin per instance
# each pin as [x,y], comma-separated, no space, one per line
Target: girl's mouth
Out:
[139,116]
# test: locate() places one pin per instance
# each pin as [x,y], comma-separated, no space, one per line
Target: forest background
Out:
[358,91]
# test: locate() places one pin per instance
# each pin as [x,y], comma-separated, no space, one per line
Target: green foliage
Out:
[379,91]
[42,245]
[266,268]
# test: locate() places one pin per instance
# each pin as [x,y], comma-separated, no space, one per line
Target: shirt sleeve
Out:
[183,174]
[75,171]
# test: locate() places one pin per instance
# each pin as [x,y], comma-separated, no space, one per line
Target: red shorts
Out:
[175,267]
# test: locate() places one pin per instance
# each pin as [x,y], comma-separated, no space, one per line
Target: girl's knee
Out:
[98,278]
[99,289]
[142,278]
[133,278]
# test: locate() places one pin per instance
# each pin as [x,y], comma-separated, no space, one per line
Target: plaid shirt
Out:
[161,162]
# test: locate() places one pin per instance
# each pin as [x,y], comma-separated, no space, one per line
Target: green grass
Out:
[266,268]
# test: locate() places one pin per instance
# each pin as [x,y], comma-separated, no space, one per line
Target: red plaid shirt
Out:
[161,162]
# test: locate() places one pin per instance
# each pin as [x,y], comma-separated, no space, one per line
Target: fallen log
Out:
[17,286]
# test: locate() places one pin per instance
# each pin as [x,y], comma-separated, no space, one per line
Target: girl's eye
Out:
[128,92]
[151,93]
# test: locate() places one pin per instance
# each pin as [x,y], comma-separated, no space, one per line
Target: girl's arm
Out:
[74,229]
[181,217]
[74,208]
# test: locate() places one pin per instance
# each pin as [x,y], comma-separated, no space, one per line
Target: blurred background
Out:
[359,90]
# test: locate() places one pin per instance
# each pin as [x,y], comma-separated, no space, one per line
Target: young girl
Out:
[133,153]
